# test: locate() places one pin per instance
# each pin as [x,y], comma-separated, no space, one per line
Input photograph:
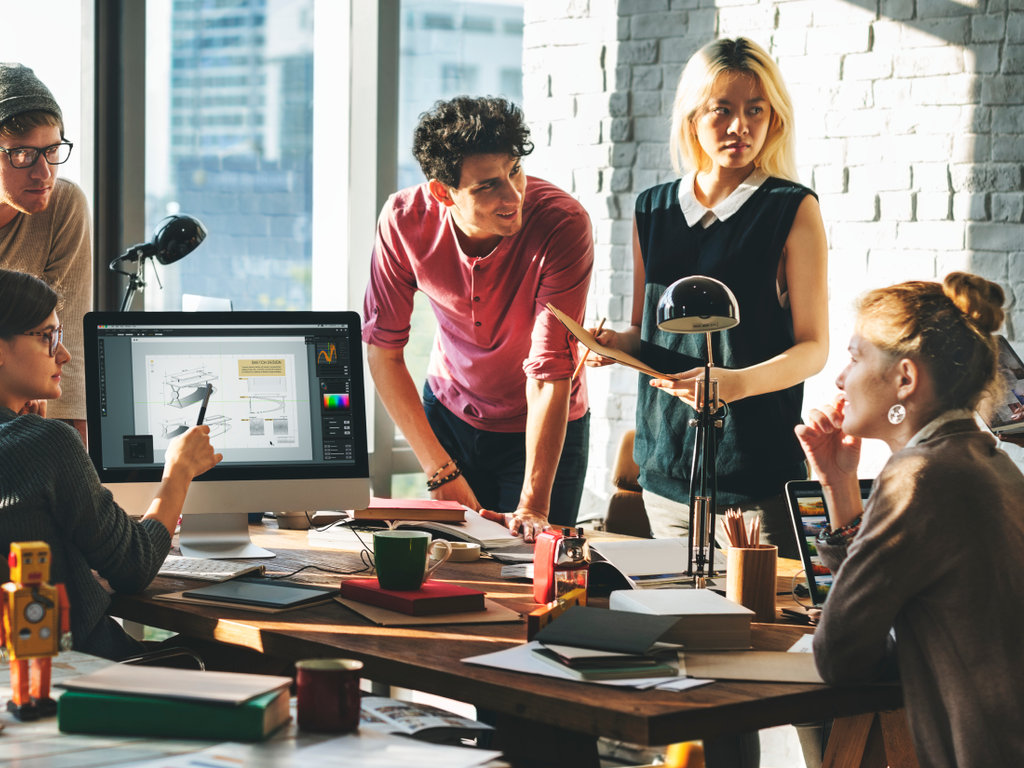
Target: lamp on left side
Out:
[175,238]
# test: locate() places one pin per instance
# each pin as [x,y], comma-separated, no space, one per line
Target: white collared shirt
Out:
[694,211]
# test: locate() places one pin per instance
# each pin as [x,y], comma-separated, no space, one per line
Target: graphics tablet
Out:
[262,592]
[809,515]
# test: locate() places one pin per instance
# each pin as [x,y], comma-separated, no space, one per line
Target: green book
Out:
[117,714]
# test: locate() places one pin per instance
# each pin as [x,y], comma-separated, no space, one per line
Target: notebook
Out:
[1003,411]
[809,514]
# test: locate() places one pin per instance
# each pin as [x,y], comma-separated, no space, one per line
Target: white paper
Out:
[803,645]
[368,749]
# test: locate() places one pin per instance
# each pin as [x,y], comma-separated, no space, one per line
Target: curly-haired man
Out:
[503,424]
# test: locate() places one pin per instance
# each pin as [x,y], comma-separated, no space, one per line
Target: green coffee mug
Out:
[401,558]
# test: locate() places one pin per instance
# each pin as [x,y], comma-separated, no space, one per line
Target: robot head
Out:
[29,562]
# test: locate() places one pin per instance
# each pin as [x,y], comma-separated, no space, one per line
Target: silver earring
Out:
[897,414]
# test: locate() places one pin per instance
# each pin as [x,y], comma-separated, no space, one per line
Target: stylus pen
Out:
[206,402]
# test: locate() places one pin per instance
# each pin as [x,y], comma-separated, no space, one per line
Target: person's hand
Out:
[606,337]
[457,490]
[523,522]
[831,452]
[191,453]
[684,386]
[37,407]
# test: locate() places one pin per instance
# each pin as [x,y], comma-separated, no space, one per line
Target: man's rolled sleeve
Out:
[565,282]
[388,302]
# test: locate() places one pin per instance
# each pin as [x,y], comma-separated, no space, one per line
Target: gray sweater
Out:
[55,245]
[49,492]
[938,558]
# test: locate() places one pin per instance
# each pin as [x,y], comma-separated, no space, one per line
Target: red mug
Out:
[328,695]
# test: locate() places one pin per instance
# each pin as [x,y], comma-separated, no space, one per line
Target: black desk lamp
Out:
[175,238]
[701,304]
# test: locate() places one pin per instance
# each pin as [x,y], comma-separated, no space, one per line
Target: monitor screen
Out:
[286,406]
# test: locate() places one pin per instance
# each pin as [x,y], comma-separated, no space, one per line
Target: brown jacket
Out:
[939,559]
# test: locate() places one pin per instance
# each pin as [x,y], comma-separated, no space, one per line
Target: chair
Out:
[626,512]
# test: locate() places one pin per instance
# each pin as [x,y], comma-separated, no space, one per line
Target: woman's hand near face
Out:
[37,407]
[832,454]
[191,454]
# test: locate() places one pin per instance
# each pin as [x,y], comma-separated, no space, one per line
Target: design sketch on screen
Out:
[255,402]
[813,518]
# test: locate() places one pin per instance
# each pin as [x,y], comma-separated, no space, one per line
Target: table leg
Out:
[529,744]
[873,740]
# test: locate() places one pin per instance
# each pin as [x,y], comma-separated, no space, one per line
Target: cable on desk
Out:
[323,569]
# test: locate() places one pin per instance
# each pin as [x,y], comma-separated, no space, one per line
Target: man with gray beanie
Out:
[44,221]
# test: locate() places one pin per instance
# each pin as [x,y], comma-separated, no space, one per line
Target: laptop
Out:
[1003,410]
[809,514]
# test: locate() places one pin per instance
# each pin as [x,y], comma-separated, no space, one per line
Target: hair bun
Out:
[979,299]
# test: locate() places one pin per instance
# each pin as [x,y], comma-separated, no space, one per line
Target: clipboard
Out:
[586,338]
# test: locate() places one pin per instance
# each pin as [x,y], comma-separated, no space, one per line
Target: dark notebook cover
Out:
[606,630]
[434,597]
[262,592]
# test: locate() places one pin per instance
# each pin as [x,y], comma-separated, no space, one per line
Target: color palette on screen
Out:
[337,402]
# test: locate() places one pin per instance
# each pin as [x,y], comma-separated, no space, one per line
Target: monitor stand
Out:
[218,537]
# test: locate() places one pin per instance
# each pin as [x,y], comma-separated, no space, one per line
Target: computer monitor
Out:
[287,411]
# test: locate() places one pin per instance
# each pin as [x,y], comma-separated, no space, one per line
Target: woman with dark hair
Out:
[49,487]
[935,552]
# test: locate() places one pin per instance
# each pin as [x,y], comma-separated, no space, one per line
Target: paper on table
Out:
[761,666]
[365,748]
[520,658]
[645,562]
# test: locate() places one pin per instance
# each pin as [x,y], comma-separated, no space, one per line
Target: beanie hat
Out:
[21,91]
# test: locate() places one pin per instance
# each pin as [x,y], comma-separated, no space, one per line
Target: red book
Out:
[432,598]
[432,510]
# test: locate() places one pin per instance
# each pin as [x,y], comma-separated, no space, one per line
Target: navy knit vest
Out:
[758,451]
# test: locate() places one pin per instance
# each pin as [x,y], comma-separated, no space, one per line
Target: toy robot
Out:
[35,627]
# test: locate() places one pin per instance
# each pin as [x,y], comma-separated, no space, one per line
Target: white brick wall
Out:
[910,124]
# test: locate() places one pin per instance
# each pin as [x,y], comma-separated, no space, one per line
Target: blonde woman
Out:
[737,214]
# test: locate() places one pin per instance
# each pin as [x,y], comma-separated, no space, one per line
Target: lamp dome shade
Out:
[176,237]
[697,304]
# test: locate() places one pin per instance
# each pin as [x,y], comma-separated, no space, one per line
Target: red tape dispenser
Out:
[561,561]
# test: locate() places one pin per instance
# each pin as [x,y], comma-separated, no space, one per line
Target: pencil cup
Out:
[328,695]
[750,579]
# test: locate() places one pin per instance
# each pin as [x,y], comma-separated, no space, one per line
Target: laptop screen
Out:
[809,514]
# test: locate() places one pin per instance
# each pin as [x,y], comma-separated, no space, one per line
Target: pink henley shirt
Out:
[493,329]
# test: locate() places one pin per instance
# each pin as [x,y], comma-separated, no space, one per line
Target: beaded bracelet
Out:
[433,485]
[440,469]
[827,536]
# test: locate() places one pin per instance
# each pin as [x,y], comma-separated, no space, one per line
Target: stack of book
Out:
[600,644]
[433,598]
[158,702]
[704,619]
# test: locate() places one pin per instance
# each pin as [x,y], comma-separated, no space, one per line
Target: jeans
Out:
[494,463]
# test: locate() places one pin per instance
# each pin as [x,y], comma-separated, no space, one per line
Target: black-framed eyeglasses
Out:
[26,157]
[53,337]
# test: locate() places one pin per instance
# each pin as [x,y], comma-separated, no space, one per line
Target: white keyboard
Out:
[205,570]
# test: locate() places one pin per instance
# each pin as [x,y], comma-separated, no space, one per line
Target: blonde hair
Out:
[945,327]
[743,56]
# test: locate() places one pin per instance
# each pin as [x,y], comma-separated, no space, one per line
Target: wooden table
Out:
[540,721]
